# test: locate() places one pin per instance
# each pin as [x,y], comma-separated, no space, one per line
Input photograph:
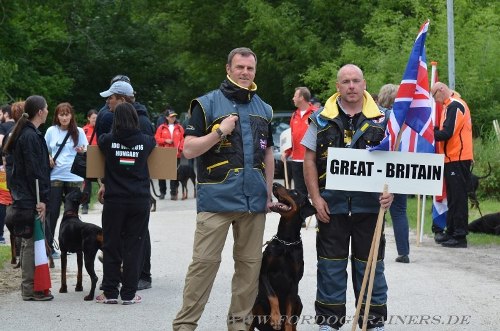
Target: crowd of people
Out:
[229,133]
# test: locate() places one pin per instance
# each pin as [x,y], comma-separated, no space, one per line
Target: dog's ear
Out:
[307,210]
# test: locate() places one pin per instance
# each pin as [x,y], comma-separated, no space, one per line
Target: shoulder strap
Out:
[60,147]
[92,136]
[359,132]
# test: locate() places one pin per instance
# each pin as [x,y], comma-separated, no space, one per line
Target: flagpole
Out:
[37,191]
[424,198]
[417,239]
[451,44]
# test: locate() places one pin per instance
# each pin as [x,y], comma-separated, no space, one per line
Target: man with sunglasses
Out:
[454,139]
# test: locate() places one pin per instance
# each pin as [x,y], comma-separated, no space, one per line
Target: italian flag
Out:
[42,274]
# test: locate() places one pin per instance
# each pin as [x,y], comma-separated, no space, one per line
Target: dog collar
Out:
[286,243]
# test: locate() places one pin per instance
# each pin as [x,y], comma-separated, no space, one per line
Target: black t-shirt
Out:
[349,123]
[6,127]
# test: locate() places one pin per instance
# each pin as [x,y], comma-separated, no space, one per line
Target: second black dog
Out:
[278,305]
[84,239]
[489,224]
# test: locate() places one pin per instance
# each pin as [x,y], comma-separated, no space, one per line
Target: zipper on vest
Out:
[210,168]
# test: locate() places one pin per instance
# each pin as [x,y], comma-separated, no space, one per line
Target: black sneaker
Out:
[455,243]
[441,237]
[162,196]
[403,259]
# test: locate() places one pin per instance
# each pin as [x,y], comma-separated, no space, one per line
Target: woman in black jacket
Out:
[126,207]
[31,162]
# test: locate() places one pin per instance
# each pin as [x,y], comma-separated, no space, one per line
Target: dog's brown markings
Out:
[288,322]
[275,312]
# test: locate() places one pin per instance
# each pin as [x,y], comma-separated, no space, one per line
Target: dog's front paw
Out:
[275,321]
[63,289]
[78,288]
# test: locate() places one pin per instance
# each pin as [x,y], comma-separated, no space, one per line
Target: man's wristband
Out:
[220,133]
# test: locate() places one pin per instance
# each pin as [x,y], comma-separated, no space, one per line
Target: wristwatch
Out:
[220,133]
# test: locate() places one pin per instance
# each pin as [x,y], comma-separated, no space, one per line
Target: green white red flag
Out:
[42,274]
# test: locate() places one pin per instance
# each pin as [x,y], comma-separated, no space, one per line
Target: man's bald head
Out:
[349,67]
[440,92]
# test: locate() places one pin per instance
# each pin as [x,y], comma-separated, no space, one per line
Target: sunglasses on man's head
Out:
[120,78]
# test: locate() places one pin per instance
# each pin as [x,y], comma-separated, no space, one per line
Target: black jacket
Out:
[126,169]
[31,162]
[104,120]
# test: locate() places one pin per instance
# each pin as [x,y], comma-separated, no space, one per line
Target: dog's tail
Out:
[153,188]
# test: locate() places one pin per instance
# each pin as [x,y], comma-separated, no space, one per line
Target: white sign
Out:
[361,170]
[286,140]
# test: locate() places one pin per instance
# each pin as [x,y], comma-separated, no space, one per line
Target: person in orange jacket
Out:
[454,140]
[299,124]
[170,134]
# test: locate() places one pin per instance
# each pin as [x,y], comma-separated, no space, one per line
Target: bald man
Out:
[454,140]
[347,219]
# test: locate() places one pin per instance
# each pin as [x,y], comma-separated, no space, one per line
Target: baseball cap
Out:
[119,87]
[171,113]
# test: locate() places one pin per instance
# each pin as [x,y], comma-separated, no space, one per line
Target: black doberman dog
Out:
[278,305]
[184,174]
[84,239]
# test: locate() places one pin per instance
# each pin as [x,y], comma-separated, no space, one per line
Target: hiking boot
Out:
[403,259]
[455,243]
[39,296]
[441,237]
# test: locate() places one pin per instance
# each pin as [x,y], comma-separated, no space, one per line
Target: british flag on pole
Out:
[439,203]
[411,115]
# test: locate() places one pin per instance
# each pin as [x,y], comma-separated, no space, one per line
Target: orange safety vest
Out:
[459,146]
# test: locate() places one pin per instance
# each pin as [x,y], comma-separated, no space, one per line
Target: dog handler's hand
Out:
[228,124]
[385,200]
[41,208]
[323,213]
[100,194]
[269,205]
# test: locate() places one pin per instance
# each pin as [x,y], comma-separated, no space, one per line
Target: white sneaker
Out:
[326,328]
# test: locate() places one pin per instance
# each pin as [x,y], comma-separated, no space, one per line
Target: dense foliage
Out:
[175,50]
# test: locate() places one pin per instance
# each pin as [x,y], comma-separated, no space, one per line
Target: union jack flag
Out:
[411,115]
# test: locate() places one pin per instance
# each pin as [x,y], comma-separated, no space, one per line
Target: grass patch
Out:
[4,254]
[476,239]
